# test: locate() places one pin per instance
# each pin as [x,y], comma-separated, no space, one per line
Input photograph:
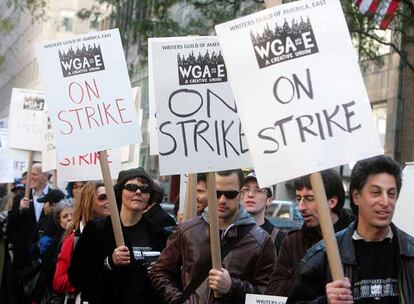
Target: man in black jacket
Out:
[377,257]
[23,218]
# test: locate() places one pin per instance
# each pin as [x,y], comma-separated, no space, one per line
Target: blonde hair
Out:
[84,209]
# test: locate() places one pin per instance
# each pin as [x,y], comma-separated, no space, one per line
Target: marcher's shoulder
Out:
[191,224]
[260,235]
[406,242]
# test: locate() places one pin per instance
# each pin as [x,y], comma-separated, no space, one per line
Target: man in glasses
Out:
[377,257]
[296,243]
[255,200]
[248,253]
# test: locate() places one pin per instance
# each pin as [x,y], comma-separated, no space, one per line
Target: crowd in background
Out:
[59,246]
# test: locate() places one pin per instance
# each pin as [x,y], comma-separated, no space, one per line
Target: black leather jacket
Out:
[313,275]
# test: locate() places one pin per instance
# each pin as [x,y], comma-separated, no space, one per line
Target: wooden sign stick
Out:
[29,175]
[190,203]
[54,178]
[318,188]
[113,209]
[213,221]
[328,233]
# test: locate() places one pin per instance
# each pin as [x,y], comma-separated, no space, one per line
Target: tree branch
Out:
[392,45]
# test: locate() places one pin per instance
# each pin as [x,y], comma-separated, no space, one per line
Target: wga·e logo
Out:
[201,69]
[279,44]
[86,60]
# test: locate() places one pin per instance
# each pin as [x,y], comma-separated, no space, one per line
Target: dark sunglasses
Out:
[102,197]
[134,188]
[228,194]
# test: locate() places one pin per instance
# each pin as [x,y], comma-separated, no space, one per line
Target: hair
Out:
[202,177]
[157,193]
[84,209]
[69,187]
[238,172]
[63,204]
[333,187]
[372,166]
[119,187]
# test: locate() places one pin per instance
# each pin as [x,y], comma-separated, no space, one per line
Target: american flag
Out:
[382,10]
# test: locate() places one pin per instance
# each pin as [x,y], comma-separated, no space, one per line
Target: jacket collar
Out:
[243,218]
[347,249]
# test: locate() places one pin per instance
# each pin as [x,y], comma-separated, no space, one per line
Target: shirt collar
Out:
[44,191]
[356,236]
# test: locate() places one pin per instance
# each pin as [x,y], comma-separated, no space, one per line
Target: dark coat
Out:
[22,226]
[314,274]
[293,249]
[188,252]
[96,282]
[157,216]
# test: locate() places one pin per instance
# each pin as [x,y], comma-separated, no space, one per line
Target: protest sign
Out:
[49,150]
[6,161]
[128,152]
[404,209]
[262,299]
[199,129]
[86,81]
[26,120]
[87,167]
[299,90]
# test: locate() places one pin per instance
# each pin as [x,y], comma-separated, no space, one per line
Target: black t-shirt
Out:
[138,241]
[377,281]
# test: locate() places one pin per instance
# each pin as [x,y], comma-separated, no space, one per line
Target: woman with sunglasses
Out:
[92,204]
[105,273]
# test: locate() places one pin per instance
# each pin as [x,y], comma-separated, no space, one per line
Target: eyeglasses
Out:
[245,191]
[134,188]
[102,197]
[306,199]
[228,194]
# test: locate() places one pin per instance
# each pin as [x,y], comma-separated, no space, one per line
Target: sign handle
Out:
[272,3]
[29,175]
[54,178]
[116,222]
[190,206]
[213,219]
[328,233]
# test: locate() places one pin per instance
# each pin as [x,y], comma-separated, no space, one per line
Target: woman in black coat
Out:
[105,273]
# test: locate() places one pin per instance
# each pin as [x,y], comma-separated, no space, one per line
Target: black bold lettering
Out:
[298,83]
[187,91]
[269,138]
[279,124]
[348,115]
[329,120]
[169,135]
[225,141]
[197,133]
[184,134]
[303,128]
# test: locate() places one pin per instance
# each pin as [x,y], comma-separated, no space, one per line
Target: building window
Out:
[379,111]
[67,19]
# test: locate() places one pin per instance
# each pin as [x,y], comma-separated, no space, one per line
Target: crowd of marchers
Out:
[58,247]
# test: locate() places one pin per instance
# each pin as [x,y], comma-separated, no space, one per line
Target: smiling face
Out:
[201,196]
[376,202]
[101,204]
[135,200]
